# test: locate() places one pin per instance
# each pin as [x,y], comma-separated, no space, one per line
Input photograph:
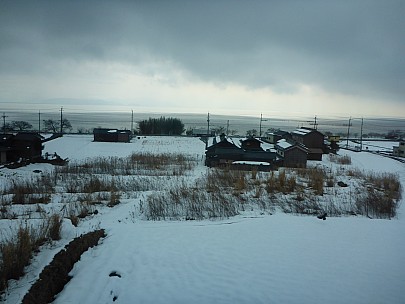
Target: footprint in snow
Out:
[114,292]
[114,274]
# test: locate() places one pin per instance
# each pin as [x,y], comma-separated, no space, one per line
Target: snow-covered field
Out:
[372,145]
[249,258]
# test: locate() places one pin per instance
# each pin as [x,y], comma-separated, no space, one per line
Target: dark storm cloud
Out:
[354,47]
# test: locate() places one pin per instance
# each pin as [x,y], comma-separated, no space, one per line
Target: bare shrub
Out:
[98,184]
[291,184]
[77,211]
[343,160]
[388,183]
[29,191]
[240,183]
[316,180]
[376,204]
[137,163]
[258,192]
[187,203]
[282,180]
[16,251]
[74,219]
[254,174]
[309,205]
[355,173]
[114,199]
[271,183]
[55,227]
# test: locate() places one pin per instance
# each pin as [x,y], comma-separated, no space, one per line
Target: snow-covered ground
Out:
[276,258]
[372,145]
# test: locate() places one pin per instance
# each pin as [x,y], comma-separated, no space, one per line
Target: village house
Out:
[222,152]
[22,146]
[112,135]
[273,137]
[246,156]
[312,139]
[292,154]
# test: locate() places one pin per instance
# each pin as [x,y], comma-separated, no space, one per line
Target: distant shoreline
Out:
[88,120]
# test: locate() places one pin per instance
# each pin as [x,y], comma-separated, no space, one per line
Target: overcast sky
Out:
[280,58]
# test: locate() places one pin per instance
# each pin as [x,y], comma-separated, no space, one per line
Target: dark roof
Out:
[222,144]
[250,139]
[305,131]
[28,136]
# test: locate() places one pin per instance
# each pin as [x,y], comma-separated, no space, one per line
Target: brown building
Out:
[312,139]
[292,153]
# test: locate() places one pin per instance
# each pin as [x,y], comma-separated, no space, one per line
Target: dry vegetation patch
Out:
[219,193]
[17,248]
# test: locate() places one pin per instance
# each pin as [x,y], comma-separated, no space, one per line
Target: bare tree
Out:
[21,125]
[54,125]
[219,130]
[252,132]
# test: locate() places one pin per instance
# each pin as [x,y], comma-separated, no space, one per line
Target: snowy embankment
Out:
[276,258]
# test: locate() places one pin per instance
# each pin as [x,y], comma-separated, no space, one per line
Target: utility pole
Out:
[208,129]
[39,121]
[315,124]
[208,124]
[348,132]
[132,120]
[361,135]
[61,120]
[4,123]
[227,128]
[260,126]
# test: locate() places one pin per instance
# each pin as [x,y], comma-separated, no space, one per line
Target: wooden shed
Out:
[112,135]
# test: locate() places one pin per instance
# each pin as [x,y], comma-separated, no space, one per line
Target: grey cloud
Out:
[346,46]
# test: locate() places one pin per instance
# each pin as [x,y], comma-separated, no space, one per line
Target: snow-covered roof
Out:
[266,146]
[282,143]
[302,131]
